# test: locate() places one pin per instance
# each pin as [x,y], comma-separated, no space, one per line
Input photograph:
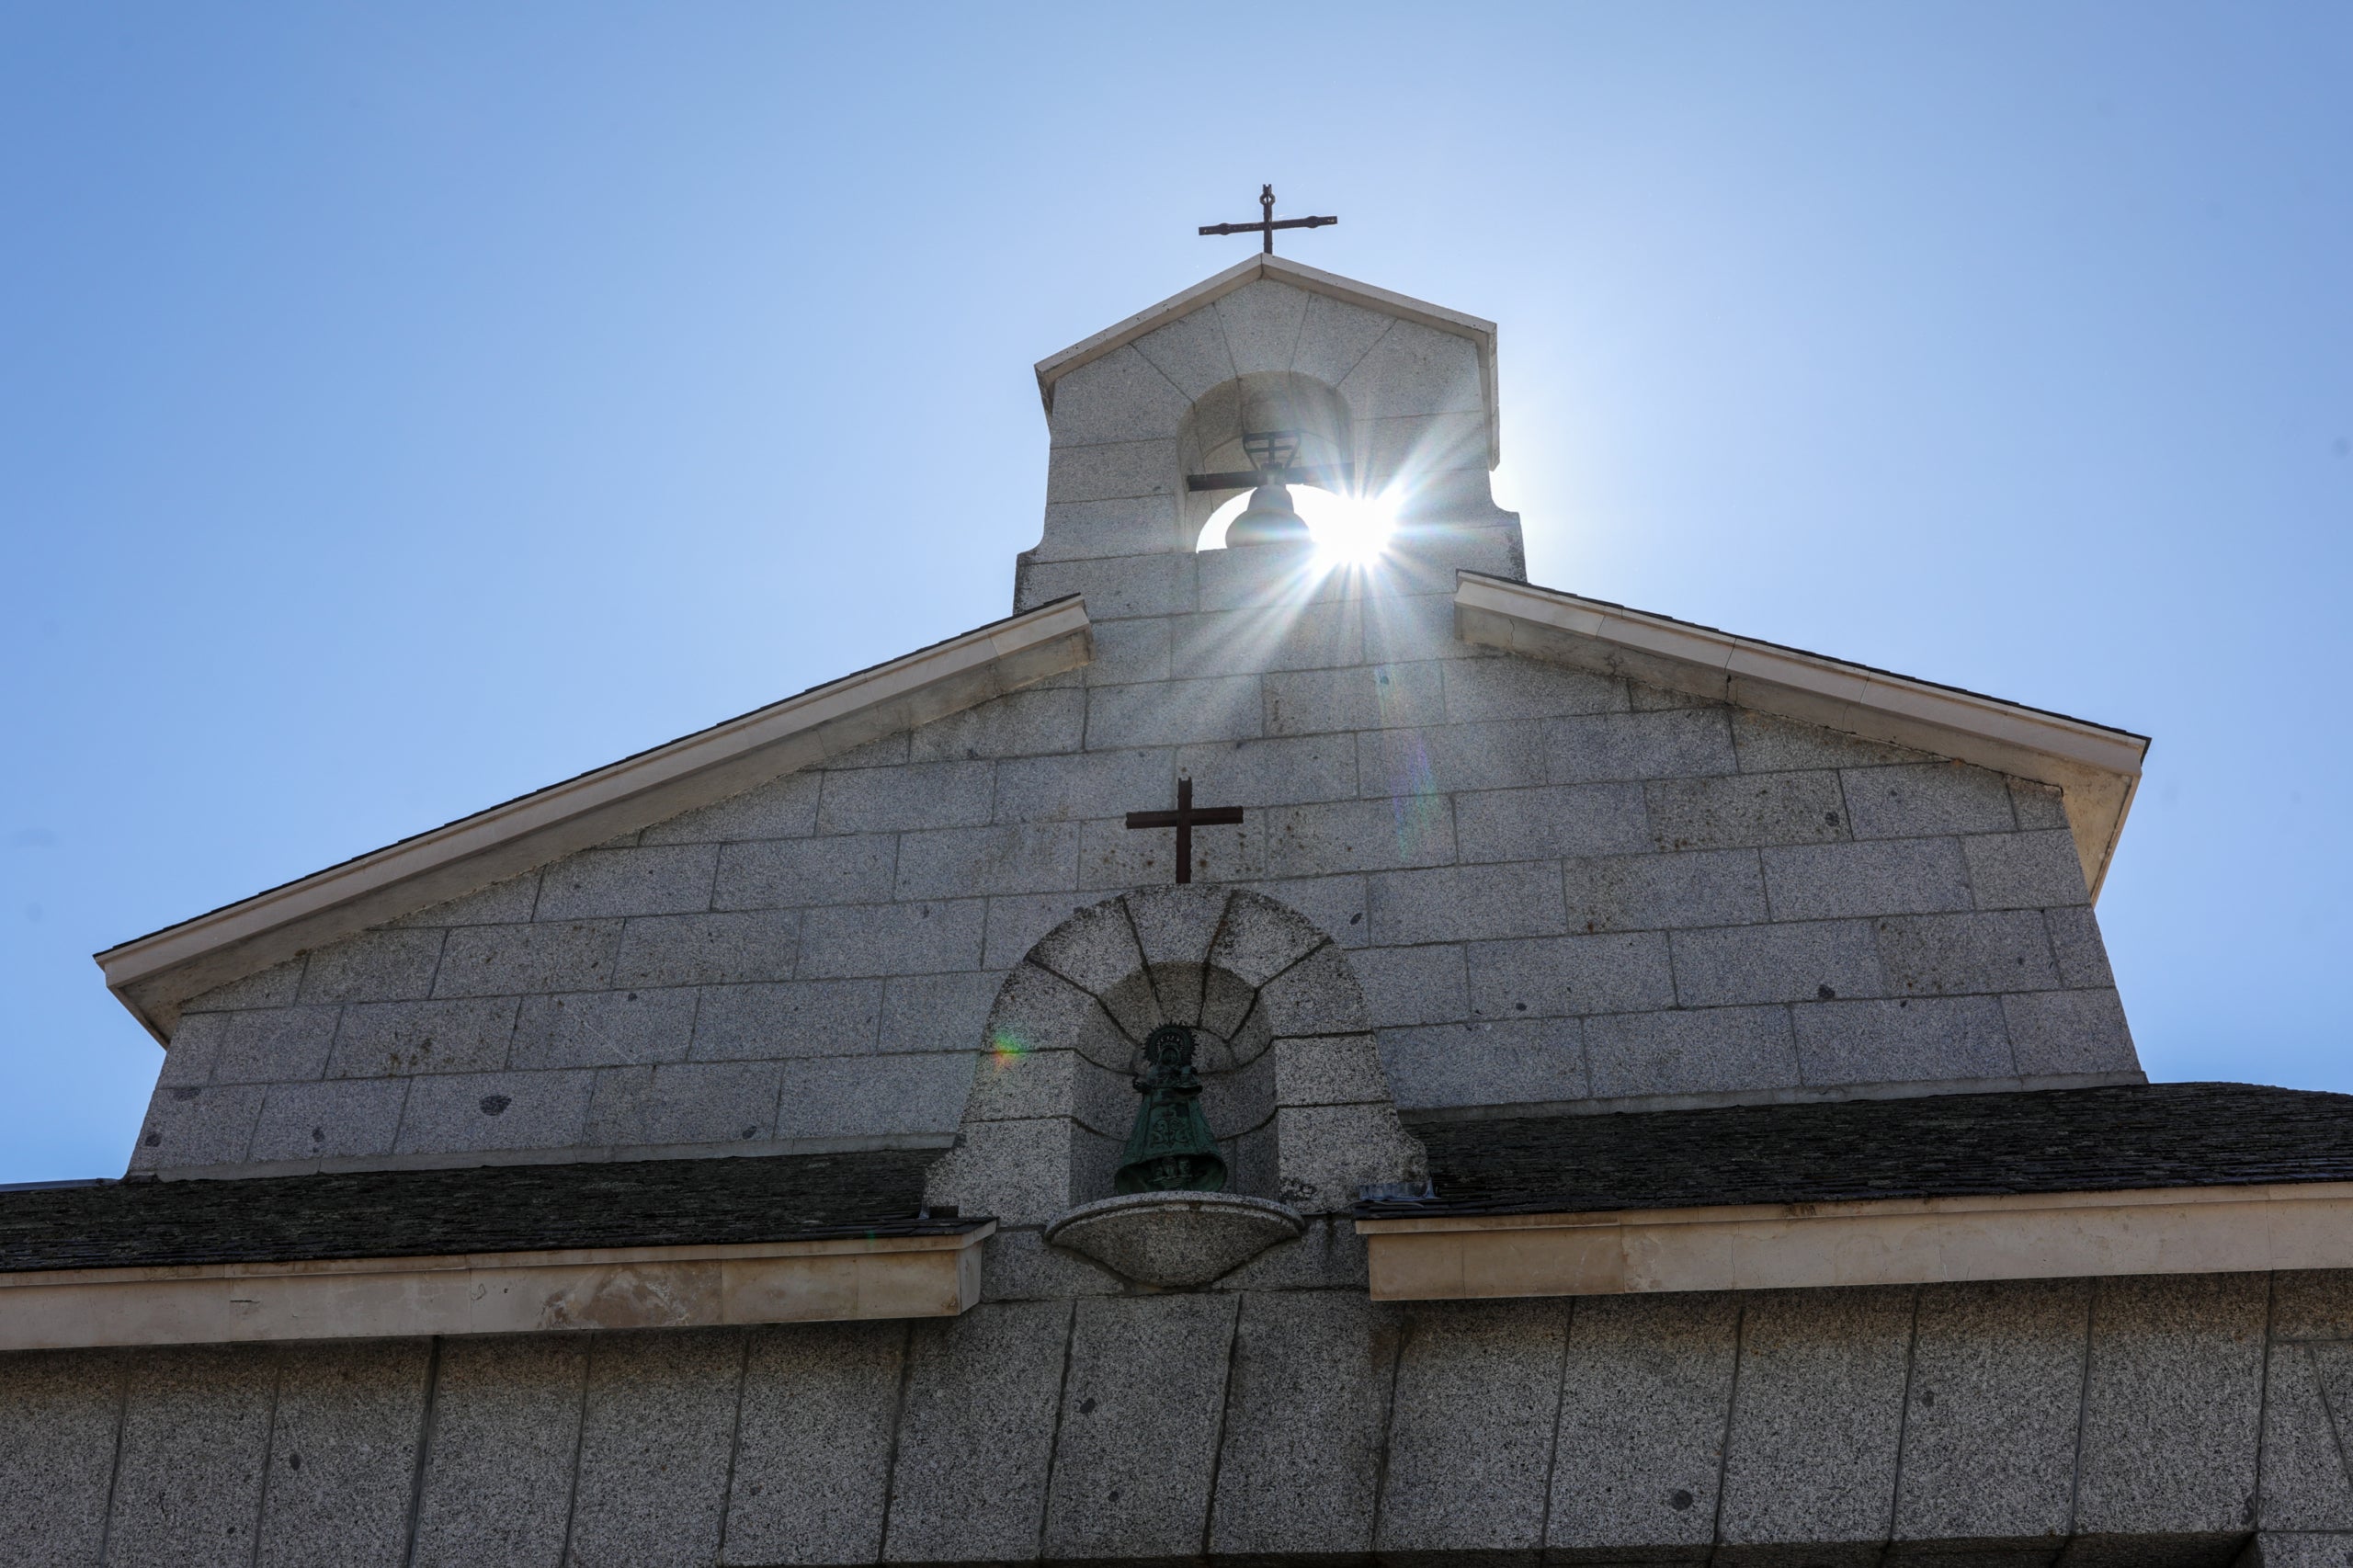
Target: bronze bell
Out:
[1268,519]
[1170,1149]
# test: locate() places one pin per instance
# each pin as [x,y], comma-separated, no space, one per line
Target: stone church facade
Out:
[1673,1099]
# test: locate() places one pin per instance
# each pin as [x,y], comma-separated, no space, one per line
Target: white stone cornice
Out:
[2098,767]
[155,974]
[2064,1235]
[827,1280]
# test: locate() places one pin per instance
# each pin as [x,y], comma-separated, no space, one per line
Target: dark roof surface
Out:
[2148,1135]
[481,1208]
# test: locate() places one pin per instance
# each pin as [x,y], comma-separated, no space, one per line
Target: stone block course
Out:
[1112,469]
[274,1044]
[343,1454]
[198,1125]
[276,987]
[684,1102]
[812,1450]
[976,1422]
[664,880]
[964,861]
[1923,799]
[1907,1038]
[2036,805]
[1120,397]
[1558,976]
[60,1413]
[2025,871]
[1690,1051]
[498,1479]
[869,1097]
[375,966]
[1015,923]
[890,799]
[782,808]
[1377,697]
[1455,903]
[1790,961]
[892,938]
[1645,1403]
[1262,773]
[1894,876]
[1096,784]
[2076,945]
[938,1012]
[1989,1425]
[796,873]
[1483,1062]
[1691,742]
[1634,893]
[1499,686]
[2069,1031]
[2307,1393]
[1415,621]
[1116,588]
[1553,821]
[657,1432]
[1118,526]
[468,1111]
[1321,635]
[709,950]
[1137,1440]
[500,903]
[1929,955]
[2172,1406]
[503,961]
[1443,758]
[1765,743]
[1812,1454]
[341,1118]
[1127,652]
[194,1050]
[1306,1409]
[1174,712]
[1355,836]
[808,1017]
[187,1488]
[1020,723]
[1751,808]
[1472,1429]
[382,1037]
[1262,321]
[1405,986]
[604,1028]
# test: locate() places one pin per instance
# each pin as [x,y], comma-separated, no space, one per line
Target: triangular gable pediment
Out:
[1280,269]
[155,974]
[2098,767]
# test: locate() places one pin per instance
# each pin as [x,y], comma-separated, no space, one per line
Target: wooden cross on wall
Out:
[1266,224]
[1183,819]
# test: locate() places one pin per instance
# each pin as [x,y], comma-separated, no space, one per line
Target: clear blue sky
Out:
[404,407]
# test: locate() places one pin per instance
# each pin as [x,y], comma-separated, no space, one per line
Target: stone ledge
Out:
[2230,1230]
[827,1280]
[2096,766]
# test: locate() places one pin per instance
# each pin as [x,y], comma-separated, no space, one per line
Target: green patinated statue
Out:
[1170,1149]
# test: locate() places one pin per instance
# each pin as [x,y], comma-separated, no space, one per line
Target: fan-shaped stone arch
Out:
[1292,1083]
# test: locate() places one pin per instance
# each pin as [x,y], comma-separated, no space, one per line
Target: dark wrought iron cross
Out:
[1183,819]
[1266,226]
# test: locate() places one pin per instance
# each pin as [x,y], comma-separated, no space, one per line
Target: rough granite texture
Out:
[1557,885]
[2116,1418]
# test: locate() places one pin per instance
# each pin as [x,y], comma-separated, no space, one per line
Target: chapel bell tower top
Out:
[1269,375]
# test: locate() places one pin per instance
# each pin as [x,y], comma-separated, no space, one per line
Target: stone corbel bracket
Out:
[2096,768]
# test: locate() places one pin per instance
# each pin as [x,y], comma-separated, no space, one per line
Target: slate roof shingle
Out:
[481,1208]
[2103,1140]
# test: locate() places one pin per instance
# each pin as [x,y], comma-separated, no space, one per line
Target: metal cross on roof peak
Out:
[1267,223]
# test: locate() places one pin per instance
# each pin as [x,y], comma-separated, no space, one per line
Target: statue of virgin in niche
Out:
[1170,1149]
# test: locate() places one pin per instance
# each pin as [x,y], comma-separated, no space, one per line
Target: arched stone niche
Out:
[1209,437]
[1292,1085]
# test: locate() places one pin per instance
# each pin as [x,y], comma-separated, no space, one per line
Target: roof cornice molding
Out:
[155,974]
[1282,269]
[2096,766]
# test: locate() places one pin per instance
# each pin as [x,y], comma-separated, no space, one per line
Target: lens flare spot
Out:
[1349,530]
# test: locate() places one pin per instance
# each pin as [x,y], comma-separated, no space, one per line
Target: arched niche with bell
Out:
[1291,1083]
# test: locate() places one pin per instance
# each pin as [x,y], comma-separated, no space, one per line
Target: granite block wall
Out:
[2190,1420]
[1556,886]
